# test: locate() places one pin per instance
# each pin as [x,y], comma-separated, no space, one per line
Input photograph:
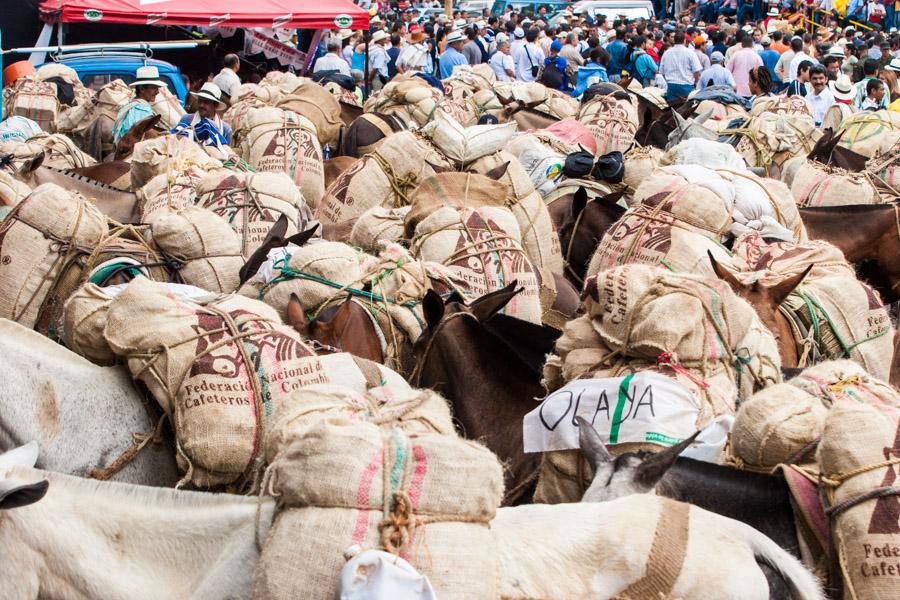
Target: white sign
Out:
[255,42]
[640,407]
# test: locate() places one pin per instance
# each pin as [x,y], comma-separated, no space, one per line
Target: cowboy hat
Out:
[379,35]
[842,88]
[836,51]
[345,33]
[147,76]
[211,92]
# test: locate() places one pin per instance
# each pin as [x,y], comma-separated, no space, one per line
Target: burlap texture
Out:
[34,99]
[61,152]
[559,105]
[252,202]
[465,144]
[282,141]
[40,240]
[864,132]
[780,105]
[640,161]
[612,122]
[886,162]
[457,190]
[168,107]
[378,224]
[408,97]
[173,191]
[166,154]
[85,316]
[12,191]
[858,454]
[814,184]
[311,100]
[207,249]
[775,137]
[384,178]
[846,381]
[719,114]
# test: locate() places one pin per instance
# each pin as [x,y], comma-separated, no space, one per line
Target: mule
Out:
[85,417]
[367,130]
[827,151]
[766,300]
[345,327]
[489,366]
[333,167]
[690,128]
[93,539]
[116,173]
[145,129]
[526,117]
[869,237]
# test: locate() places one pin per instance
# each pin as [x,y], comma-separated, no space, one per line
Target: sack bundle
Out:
[173,190]
[282,141]
[864,132]
[409,97]
[252,202]
[61,152]
[780,105]
[814,184]
[774,138]
[573,134]
[218,367]
[720,114]
[539,237]
[885,164]
[203,249]
[12,191]
[716,347]
[469,79]
[382,470]
[834,315]
[236,116]
[858,458]
[466,144]
[613,123]
[640,161]
[34,99]
[531,93]
[385,177]
[167,154]
[558,105]
[706,153]
[374,227]
[543,156]
[168,107]
[312,101]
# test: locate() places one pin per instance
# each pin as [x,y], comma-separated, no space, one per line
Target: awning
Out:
[294,14]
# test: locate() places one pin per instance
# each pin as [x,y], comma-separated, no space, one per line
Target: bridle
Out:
[568,254]
[416,375]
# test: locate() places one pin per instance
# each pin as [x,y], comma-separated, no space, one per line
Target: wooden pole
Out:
[448,8]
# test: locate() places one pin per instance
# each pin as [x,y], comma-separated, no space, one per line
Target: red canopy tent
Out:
[293,14]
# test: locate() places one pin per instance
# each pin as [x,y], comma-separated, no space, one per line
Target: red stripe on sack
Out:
[362,497]
[415,486]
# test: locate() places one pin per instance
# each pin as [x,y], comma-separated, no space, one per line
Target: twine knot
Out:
[398,524]
[670,359]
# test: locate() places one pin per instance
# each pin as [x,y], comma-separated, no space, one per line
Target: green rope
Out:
[814,318]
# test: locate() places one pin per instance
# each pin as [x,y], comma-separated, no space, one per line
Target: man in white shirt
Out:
[378,59]
[680,67]
[517,42]
[501,62]
[227,79]
[529,57]
[799,56]
[820,98]
[333,61]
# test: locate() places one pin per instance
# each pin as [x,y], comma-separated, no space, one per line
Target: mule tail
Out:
[802,583]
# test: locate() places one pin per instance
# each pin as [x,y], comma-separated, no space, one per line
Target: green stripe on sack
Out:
[620,406]
[661,438]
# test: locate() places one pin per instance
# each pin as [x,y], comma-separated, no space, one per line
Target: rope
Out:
[400,186]
[834,511]
[140,442]
[838,478]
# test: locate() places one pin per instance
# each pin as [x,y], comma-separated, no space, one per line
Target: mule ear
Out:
[296,315]
[13,495]
[579,201]
[679,120]
[24,456]
[455,296]
[299,239]
[490,304]
[724,274]
[433,307]
[275,236]
[591,444]
[779,293]
[143,126]
[703,118]
[277,231]
[649,472]
[498,172]
[590,289]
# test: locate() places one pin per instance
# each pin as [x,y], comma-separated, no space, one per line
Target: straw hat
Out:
[773,12]
[379,35]
[455,36]
[211,92]
[836,51]
[894,65]
[147,76]
[842,88]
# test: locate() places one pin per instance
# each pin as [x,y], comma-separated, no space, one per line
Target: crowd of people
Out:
[731,43]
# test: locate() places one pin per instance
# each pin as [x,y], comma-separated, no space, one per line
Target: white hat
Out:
[773,12]
[501,38]
[147,76]
[375,19]
[836,51]
[519,33]
[455,36]
[842,88]
[747,28]
[766,41]
[480,24]
[379,35]
[211,92]
[526,20]
[894,65]
[459,23]
[345,33]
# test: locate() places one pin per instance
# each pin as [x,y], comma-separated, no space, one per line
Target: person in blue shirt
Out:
[206,127]
[716,74]
[554,73]
[770,59]
[453,55]
[617,59]
[594,71]
[640,64]
[393,52]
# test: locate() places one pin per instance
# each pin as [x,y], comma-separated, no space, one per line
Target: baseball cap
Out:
[766,41]
[717,57]
[556,46]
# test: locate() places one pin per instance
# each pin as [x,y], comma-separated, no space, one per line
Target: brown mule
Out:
[145,129]
[116,173]
[895,362]
[526,117]
[869,237]
[345,327]
[358,138]
[335,166]
[828,152]
[489,367]
[766,300]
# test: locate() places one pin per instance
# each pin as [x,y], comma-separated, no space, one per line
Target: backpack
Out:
[551,76]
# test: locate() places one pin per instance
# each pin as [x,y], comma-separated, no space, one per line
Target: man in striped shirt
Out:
[680,67]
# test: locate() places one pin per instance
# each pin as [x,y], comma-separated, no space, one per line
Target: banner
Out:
[255,42]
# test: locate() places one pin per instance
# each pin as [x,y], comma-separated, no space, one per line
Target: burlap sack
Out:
[640,161]
[252,202]
[215,367]
[846,381]
[35,99]
[780,105]
[719,114]
[168,107]
[85,316]
[466,144]
[481,246]
[167,154]
[527,92]
[613,123]
[282,141]
[774,137]
[539,237]
[61,152]
[863,132]
[814,184]
[236,116]
[559,105]
[630,329]
[384,178]
[12,191]
[378,224]
[404,463]
[409,97]
[311,100]
[858,456]
[41,241]
[206,251]
[174,190]
[885,164]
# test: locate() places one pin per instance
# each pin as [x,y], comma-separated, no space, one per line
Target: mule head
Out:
[584,226]
[627,474]
[274,239]
[145,129]
[26,167]
[345,328]
[14,494]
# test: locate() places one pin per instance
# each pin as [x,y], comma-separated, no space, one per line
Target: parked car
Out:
[613,9]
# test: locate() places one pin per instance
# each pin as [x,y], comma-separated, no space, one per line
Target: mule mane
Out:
[849,209]
[136,495]
[78,177]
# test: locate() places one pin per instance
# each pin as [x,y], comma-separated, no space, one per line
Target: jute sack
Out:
[41,240]
[719,114]
[85,316]
[206,251]
[168,107]
[858,458]
[613,123]
[863,132]
[780,105]
[885,164]
[527,92]
[815,184]
[174,190]
[774,138]
[12,191]
[311,100]
[217,367]
[539,237]
[640,161]
[846,381]
[236,116]
[482,247]
[60,151]
[465,144]
[35,99]
[252,202]
[416,490]
[166,154]
[378,224]
[385,177]
[282,141]
[559,105]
